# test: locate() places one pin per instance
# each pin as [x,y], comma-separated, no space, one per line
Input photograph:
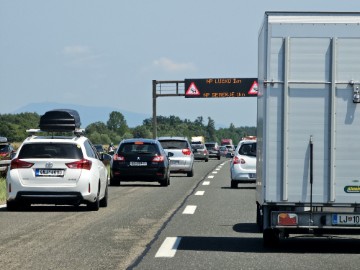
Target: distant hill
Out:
[88,114]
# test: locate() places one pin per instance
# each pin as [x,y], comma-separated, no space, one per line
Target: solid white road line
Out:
[206,183]
[199,193]
[189,210]
[168,247]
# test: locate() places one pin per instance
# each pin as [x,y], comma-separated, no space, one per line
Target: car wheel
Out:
[12,205]
[191,173]
[233,184]
[207,160]
[219,157]
[94,206]
[104,201]
[114,182]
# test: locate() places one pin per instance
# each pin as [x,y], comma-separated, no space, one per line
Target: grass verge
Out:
[2,190]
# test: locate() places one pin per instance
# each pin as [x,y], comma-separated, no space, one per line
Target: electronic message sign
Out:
[220,87]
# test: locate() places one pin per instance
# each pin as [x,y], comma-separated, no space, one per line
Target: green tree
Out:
[117,123]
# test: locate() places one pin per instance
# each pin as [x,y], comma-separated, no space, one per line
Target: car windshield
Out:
[173,144]
[248,149]
[133,148]
[4,148]
[51,150]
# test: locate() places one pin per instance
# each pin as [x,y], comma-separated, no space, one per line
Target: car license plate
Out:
[49,172]
[133,163]
[346,219]
[174,162]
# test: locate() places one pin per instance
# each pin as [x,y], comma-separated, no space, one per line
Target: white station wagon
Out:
[64,170]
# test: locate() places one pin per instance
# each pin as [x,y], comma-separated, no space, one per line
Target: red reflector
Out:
[287,219]
[20,164]
[80,164]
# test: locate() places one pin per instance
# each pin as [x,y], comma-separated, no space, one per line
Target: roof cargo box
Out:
[60,120]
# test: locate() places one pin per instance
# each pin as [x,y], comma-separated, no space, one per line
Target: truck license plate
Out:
[346,219]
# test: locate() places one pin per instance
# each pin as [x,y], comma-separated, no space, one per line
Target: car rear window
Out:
[174,144]
[210,145]
[198,146]
[248,149]
[4,148]
[133,148]
[51,150]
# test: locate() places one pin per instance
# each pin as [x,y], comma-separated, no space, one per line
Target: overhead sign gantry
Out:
[203,88]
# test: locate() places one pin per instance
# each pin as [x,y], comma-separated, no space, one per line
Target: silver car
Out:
[182,158]
[200,152]
[243,163]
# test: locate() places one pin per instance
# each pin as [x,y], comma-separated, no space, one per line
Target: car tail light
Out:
[3,154]
[118,157]
[205,152]
[186,152]
[80,164]
[158,159]
[237,160]
[20,164]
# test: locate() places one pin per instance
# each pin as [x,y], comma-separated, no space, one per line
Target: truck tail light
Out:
[287,219]
[20,164]
[186,152]
[80,164]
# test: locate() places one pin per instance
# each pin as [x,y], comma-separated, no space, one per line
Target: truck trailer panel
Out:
[308,118]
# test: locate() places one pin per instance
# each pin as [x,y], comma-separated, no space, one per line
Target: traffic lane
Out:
[222,234]
[71,237]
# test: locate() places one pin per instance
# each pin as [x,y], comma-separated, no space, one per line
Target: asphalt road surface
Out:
[196,223]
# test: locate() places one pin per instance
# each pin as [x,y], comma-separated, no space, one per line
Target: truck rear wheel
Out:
[271,237]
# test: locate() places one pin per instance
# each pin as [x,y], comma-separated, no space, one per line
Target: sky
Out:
[107,52]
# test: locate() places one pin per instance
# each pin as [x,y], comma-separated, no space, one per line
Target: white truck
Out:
[197,140]
[308,125]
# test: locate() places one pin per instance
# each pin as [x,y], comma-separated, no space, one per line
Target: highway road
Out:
[196,223]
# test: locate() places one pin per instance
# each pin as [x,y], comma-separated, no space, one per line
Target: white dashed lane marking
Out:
[189,210]
[211,176]
[206,183]
[199,193]
[169,247]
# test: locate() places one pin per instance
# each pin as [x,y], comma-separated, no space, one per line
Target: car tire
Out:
[104,201]
[207,160]
[234,184]
[191,173]
[114,182]
[12,205]
[219,157]
[94,206]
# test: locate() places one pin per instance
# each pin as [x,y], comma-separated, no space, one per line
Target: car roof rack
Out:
[60,120]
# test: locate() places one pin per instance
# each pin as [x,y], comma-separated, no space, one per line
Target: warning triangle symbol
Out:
[254,89]
[192,90]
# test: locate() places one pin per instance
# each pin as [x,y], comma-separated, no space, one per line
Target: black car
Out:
[140,160]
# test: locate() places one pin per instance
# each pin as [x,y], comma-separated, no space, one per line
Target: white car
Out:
[243,163]
[65,170]
[182,158]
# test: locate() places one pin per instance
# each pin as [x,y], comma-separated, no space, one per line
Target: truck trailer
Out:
[308,125]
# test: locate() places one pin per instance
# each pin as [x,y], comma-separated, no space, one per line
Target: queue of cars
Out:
[70,170]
